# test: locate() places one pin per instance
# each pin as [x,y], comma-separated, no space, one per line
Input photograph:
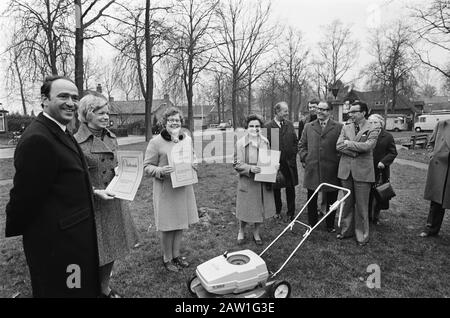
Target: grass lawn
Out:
[323,266]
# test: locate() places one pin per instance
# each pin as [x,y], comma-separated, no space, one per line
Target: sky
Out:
[310,16]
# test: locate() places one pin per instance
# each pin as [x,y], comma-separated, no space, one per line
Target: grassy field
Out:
[323,267]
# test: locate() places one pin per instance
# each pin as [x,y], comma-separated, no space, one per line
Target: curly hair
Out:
[171,111]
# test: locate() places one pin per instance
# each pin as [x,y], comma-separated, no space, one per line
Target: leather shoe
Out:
[362,243]
[258,241]
[331,230]
[425,234]
[340,237]
[277,217]
[171,266]
[180,262]
[112,294]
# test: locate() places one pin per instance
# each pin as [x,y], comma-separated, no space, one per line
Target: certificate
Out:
[181,158]
[268,161]
[129,176]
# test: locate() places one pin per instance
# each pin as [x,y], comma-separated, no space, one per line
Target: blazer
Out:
[385,152]
[437,188]
[317,149]
[51,205]
[356,156]
[287,144]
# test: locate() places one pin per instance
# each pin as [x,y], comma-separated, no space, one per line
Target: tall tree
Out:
[242,24]
[433,28]
[192,40]
[84,30]
[337,55]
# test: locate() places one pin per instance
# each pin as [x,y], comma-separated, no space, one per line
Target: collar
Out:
[277,122]
[262,139]
[84,133]
[63,127]
[166,136]
[324,121]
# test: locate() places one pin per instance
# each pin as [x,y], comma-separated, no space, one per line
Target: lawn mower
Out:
[244,274]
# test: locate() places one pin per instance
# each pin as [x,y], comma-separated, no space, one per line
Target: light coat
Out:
[437,188]
[174,208]
[356,156]
[116,232]
[255,200]
[317,150]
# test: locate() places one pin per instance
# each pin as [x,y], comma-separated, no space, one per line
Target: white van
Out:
[396,122]
[429,121]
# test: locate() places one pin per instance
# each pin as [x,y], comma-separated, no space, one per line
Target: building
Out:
[434,103]
[3,122]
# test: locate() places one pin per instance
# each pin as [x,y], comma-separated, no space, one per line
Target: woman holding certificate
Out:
[173,204]
[255,201]
[116,232]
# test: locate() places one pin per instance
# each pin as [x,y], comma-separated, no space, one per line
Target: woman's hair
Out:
[253,117]
[91,102]
[171,111]
[378,117]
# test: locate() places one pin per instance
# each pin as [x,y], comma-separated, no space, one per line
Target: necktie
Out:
[323,124]
[356,129]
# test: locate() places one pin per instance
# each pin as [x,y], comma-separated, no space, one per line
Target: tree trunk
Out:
[149,61]
[79,43]
[22,93]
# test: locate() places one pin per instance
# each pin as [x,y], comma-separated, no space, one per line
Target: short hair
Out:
[330,105]
[362,107]
[378,117]
[47,84]
[254,117]
[171,111]
[278,106]
[313,101]
[91,102]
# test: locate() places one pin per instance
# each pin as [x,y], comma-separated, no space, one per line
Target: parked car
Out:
[429,121]
[224,126]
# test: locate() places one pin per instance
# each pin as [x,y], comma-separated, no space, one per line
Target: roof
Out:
[435,103]
[136,107]
[374,100]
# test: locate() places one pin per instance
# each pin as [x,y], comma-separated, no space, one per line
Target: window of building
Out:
[2,122]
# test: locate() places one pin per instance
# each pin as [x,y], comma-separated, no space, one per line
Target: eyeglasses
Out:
[254,126]
[173,121]
[354,111]
[318,109]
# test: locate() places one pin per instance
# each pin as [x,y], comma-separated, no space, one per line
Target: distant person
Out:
[51,202]
[310,117]
[116,232]
[437,188]
[255,200]
[356,143]
[318,153]
[384,154]
[175,208]
[281,134]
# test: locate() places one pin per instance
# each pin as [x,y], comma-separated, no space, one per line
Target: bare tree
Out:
[337,54]
[392,70]
[193,44]
[84,21]
[41,34]
[293,63]
[433,28]
[239,43]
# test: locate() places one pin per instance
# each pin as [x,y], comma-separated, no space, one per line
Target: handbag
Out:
[280,181]
[384,191]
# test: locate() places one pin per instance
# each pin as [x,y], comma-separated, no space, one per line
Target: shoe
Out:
[240,241]
[258,241]
[170,266]
[179,261]
[340,237]
[426,234]
[112,294]
[362,243]
[331,230]
[277,216]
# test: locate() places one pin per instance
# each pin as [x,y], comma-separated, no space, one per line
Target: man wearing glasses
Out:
[318,153]
[356,143]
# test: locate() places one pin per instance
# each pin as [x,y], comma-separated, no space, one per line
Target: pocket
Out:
[72,220]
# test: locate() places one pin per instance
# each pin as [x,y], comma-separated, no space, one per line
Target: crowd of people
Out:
[74,229]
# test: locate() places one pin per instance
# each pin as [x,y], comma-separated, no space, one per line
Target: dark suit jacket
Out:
[317,149]
[287,144]
[303,122]
[384,152]
[51,206]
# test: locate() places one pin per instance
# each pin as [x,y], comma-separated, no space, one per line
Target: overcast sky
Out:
[310,15]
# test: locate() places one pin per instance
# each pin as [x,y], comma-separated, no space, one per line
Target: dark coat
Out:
[51,205]
[301,124]
[385,152]
[437,188]
[287,144]
[318,150]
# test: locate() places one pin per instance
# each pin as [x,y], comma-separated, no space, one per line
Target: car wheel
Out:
[418,129]
[281,289]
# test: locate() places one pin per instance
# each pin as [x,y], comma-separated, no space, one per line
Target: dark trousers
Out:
[331,197]
[435,217]
[290,198]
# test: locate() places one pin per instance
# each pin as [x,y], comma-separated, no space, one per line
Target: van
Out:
[429,121]
[396,122]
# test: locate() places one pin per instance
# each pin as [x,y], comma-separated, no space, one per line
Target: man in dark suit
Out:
[356,143]
[318,152]
[281,134]
[312,116]
[51,202]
